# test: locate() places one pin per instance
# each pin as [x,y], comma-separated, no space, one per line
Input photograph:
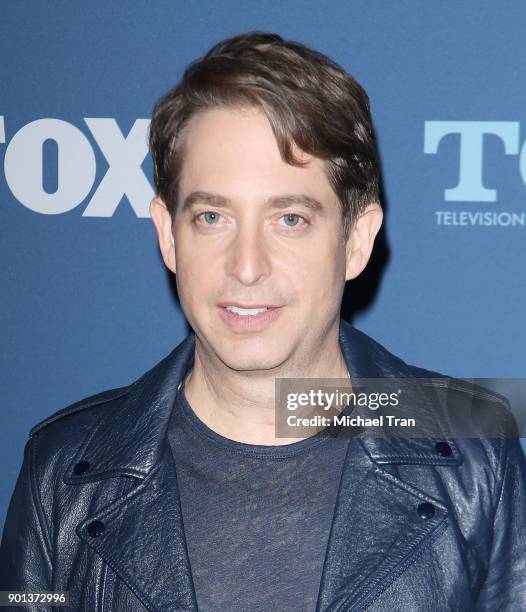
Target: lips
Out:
[248,317]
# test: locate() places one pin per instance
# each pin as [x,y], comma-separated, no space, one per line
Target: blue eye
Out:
[292,217]
[213,216]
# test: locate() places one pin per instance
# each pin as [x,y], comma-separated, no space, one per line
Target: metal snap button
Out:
[81,468]
[425,510]
[443,448]
[95,529]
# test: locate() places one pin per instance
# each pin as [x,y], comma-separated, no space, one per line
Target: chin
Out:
[244,352]
[251,360]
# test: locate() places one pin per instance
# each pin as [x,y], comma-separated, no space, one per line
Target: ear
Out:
[163,225]
[359,245]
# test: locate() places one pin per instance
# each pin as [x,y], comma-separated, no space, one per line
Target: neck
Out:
[240,405]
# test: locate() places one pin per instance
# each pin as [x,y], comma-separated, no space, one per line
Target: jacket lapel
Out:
[377,529]
[375,535]
[144,543]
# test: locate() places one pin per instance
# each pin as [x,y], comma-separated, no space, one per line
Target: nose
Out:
[248,259]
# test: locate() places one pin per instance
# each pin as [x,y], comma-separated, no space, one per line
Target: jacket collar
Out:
[367,359]
[140,417]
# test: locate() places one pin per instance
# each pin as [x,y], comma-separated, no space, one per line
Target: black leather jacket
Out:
[417,525]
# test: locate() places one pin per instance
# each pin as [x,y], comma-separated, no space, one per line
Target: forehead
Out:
[234,151]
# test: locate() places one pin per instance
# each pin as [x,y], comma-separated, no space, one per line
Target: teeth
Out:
[245,311]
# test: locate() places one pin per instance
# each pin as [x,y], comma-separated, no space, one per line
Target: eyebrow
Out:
[276,202]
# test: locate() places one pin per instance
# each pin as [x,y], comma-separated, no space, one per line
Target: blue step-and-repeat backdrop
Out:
[86,301]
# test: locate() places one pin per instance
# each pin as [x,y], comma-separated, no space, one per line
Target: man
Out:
[175,492]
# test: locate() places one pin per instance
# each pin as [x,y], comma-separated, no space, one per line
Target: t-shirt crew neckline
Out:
[280,451]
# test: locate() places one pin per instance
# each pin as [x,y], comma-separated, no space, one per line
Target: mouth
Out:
[247,310]
[249,316]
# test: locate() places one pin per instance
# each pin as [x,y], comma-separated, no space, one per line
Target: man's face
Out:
[253,231]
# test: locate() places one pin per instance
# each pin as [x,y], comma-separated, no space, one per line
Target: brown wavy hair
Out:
[309,100]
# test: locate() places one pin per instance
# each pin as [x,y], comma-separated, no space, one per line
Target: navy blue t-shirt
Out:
[256,517]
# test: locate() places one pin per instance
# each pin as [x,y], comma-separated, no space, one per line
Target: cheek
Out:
[321,267]
[315,280]
[190,259]
[198,278]
[192,282]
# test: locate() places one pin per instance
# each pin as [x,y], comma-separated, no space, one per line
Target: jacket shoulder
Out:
[459,385]
[69,423]
[482,412]
[490,409]
[81,405]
